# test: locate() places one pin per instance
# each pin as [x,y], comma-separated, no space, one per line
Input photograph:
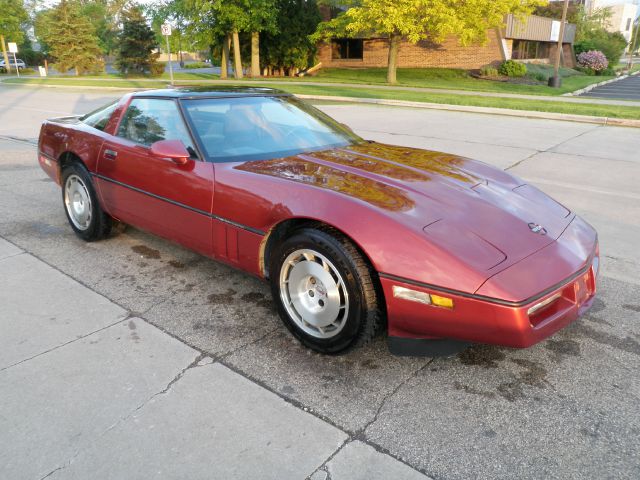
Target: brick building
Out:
[534,40]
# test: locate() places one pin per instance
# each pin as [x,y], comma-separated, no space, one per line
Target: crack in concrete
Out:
[194,364]
[361,434]
[248,344]
[323,466]
[55,470]
[550,149]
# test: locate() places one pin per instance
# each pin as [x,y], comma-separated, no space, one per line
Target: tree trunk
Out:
[394,46]
[4,54]
[224,61]
[255,54]
[237,59]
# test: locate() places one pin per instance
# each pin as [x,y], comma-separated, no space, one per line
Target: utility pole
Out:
[556,81]
[634,45]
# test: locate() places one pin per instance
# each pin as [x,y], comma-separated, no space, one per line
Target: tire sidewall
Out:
[329,247]
[92,232]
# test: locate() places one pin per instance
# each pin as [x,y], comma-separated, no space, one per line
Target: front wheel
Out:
[325,291]
[86,217]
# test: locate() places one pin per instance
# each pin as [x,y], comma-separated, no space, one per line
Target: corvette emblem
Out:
[535,228]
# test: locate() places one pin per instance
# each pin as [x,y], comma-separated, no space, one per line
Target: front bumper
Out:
[558,284]
[482,321]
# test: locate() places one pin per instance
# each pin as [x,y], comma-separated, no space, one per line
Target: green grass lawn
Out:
[447,79]
[437,78]
[390,93]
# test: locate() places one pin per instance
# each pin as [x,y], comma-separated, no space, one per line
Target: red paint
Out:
[429,217]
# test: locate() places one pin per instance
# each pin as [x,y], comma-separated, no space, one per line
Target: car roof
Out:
[210,92]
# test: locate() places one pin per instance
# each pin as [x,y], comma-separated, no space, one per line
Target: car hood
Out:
[480,214]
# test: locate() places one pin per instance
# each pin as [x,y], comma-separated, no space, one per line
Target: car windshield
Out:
[259,128]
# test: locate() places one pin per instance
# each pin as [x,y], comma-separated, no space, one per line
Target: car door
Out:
[154,193]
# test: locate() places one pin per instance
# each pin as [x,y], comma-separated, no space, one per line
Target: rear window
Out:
[99,118]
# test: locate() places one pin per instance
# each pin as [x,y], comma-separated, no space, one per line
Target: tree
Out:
[71,39]
[224,19]
[417,20]
[592,34]
[291,48]
[102,14]
[13,16]
[137,43]
[262,16]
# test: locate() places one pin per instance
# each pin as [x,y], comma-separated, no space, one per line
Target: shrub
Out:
[197,65]
[609,72]
[27,71]
[511,68]
[611,44]
[157,68]
[489,71]
[594,60]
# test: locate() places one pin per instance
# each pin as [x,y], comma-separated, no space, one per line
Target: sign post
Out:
[13,48]
[166,31]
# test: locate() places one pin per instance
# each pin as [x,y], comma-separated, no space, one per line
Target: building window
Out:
[347,49]
[628,24]
[527,50]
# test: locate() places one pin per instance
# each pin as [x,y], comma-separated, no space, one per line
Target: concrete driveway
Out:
[566,408]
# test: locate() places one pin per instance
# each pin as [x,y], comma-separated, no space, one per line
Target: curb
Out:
[620,122]
[595,85]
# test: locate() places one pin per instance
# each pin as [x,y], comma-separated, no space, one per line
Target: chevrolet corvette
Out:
[355,237]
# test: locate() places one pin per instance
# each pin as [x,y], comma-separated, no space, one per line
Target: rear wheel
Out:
[86,217]
[325,291]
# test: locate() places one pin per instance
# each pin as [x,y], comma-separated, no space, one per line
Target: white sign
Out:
[13,47]
[166,29]
[42,71]
[555,31]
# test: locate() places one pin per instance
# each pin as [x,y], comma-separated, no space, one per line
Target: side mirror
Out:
[173,150]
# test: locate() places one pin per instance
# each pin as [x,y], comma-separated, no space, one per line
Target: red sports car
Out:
[354,236]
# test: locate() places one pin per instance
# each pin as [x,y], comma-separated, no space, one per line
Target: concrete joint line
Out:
[13,255]
[120,320]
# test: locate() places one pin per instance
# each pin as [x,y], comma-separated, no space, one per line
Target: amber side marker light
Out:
[421,297]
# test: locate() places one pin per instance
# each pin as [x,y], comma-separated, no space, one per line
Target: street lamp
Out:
[556,81]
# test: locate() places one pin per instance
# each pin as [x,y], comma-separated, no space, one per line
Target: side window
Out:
[99,118]
[149,120]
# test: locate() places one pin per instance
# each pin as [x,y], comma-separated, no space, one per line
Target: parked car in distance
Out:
[12,64]
[354,237]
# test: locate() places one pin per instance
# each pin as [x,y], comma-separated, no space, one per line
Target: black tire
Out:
[99,225]
[365,313]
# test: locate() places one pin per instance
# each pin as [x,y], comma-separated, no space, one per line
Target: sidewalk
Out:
[90,391]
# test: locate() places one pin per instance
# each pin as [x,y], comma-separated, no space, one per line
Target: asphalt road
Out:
[625,89]
[565,408]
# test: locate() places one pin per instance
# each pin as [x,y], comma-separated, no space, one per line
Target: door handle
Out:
[110,154]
